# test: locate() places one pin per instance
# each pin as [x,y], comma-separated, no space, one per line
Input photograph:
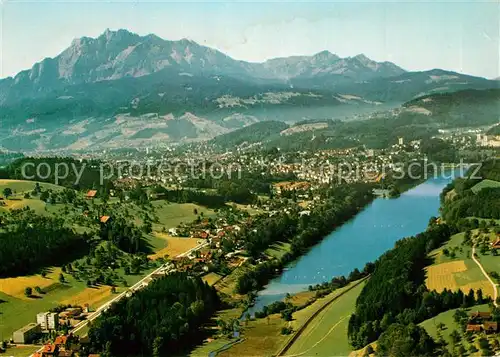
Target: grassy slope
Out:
[326,335]
[16,312]
[485,184]
[212,278]
[277,250]
[262,337]
[20,351]
[172,214]
[447,319]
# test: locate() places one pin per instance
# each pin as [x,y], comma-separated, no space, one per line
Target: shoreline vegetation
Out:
[341,204]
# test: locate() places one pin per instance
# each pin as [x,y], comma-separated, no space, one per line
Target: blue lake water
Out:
[359,241]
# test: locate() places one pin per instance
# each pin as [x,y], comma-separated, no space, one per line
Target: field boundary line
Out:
[306,323]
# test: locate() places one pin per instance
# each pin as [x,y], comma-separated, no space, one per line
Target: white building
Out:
[47,320]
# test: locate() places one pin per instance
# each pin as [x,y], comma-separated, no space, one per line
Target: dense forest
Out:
[483,204]
[80,174]
[29,242]
[459,201]
[340,203]
[396,291]
[162,319]
[406,340]
[124,235]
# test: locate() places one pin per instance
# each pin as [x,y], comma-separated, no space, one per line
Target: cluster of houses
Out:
[47,322]
[496,243]
[291,186]
[481,322]
[63,346]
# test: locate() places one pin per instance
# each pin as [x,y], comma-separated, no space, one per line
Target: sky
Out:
[459,36]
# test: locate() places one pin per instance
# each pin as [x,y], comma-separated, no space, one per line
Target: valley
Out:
[249,179]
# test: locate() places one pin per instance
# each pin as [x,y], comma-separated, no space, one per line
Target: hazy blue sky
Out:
[460,36]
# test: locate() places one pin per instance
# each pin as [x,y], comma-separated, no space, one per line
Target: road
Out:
[495,289]
[137,286]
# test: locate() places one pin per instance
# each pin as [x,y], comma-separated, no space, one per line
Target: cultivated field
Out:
[21,186]
[440,276]
[173,246]
[19,203]
[15,286]
[459,272]
[17,310]
[93,296]
[212,278]
[17,200]
[262,337]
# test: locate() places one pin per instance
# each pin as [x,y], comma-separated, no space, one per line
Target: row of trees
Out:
[162,319]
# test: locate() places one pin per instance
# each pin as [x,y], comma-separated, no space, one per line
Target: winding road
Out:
[495,289]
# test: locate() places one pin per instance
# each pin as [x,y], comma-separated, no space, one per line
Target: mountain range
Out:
[142,90]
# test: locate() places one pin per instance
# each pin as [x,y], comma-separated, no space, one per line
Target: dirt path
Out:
[495,290]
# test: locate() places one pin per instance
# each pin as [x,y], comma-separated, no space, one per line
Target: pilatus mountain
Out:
[140,90]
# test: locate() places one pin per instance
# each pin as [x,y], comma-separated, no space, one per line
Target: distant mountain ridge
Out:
[119,54]
[124,89]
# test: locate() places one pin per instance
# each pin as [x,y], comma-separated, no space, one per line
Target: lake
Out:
[359,241]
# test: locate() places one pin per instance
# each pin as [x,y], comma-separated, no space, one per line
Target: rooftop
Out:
[28,327]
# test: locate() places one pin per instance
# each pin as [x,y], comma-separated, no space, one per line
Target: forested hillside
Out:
[29,242]
[162,319]
[396,291]
[71,173]
[470,200]
[250,134]
[418,119]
